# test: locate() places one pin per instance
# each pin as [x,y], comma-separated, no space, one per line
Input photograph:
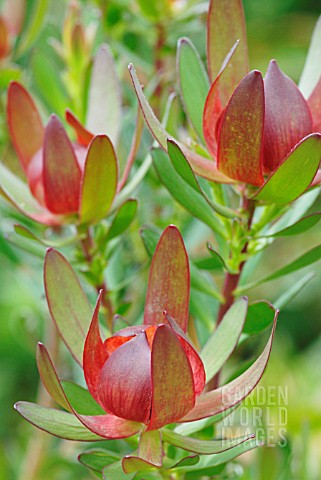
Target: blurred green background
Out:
[276,29]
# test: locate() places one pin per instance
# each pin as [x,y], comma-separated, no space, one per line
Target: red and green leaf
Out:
[67,302]
[99,183]
[226,25]
[169,281]
[61,172]
[172,378]
[287,116]
[241,133]
[25,125]
[294,175]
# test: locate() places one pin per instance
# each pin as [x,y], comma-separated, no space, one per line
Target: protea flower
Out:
[70,182]
[143,377]
[260,133]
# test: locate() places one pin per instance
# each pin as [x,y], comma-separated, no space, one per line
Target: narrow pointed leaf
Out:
[49,377]
[25,125]
[16,192]
[94,354]
[67,302]
[34,26]
[171,379]
[192,427]
[204,447]
[96,459]
[184,193]
[48,82]
[226,25]
[260,315]
[209,461]
[84,137]
[223,341]
[169,281]
[295,173]
[80,399]
[312,68]
[23,231]
[216,102]
[124,217]
[133,464]
[99,182]
[61,172]
[299,227]
[293,291]
[194,83]
[231,394]
[184,169]
[116,472]
[201,165]
[150,447]
[303,261]
[104,102]
[287,116]
[241,133]
[56,422]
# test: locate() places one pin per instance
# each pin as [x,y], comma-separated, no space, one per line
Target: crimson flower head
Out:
[69,182]
[143,377]
[259,132]
[150,373]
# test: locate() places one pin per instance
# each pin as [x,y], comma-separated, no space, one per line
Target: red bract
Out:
[251,127]
[262,123]
[65,178]
[150,373]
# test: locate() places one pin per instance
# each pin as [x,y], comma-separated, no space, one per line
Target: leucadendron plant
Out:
[147,382]
[74,183]
[247,163]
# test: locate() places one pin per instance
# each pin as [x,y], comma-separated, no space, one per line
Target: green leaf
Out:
[56,422]
[16,192]
[47,79]
[224,339]
[9,74]
[312,68]
[115,472]
[31,32]
[293,290]
[104,102]
[184,169]
[299,227]
[96,459]
[205,447]
[304,260]
[68,304]
[123,218]
[198,425]
[24,232]
[150,236]
[204,283]
[80,399]
[99,183]
[194,83]
[208,461]
[294,174]
[260,315]
[186,462]
[183,193]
